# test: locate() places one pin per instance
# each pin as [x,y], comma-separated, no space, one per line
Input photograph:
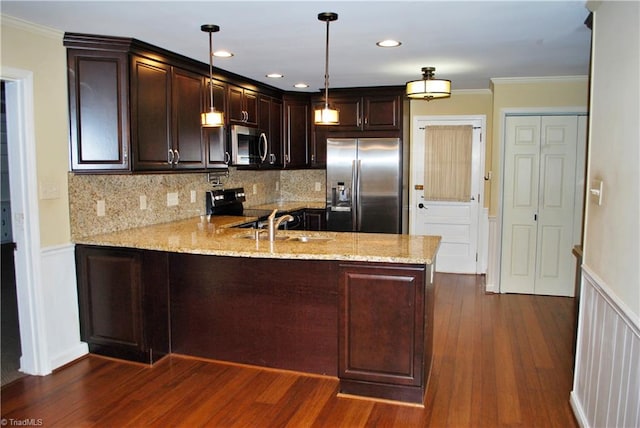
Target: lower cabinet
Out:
[385,327]
[124,302]
[315,219]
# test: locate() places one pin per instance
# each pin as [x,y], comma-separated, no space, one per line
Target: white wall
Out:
[607,374]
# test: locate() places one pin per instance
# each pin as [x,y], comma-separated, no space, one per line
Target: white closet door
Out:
[538,205]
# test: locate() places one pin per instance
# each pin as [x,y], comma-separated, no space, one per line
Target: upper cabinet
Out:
[367,110]
[98,110]
[133,108]
[242,106]
[297,119]
[270,121]
[166,103]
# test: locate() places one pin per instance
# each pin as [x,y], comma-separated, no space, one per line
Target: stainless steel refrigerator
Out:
[364,185]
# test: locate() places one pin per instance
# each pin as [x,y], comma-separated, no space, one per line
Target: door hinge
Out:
[476,257]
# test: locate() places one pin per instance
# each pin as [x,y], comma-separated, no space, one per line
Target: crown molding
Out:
[547,79]
[21,24]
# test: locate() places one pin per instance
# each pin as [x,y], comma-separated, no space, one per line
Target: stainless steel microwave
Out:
[249,146]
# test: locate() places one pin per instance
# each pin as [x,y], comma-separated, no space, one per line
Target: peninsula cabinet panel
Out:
[382,343]
[98,113]
[123,296]
[266,312]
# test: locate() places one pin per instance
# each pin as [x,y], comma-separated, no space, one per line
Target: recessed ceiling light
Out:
[222,54]
[300,85]
[388,43]
[275,75]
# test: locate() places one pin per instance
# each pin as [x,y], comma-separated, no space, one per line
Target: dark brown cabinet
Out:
[98,110]
[385,330]
[166,103]
[270,121]
[367,112]
[297,118]
[315,219]
[124,302]
[242,106]
[134,107]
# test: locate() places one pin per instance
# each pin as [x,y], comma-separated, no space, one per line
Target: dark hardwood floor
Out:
[499,360]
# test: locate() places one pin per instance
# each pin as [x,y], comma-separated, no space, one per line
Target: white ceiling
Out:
[469,42]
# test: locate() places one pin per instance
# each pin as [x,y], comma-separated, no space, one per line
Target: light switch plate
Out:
[143,202]
[596,191]
[318,186]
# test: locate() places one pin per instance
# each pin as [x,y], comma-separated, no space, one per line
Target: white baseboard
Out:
[69,355]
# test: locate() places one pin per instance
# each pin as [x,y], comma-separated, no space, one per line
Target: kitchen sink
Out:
[282,237]
[309,238]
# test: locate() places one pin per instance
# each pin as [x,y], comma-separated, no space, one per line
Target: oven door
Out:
[248,145]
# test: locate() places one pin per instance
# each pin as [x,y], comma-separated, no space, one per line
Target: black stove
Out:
[230,202]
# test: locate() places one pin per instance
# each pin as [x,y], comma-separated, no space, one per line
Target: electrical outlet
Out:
[100,208]
[255,189]
[318,186]
[277,186]
[143,202]
[193,196]
[172,199]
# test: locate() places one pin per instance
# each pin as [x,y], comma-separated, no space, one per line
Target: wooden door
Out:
[539,194]
[456,222]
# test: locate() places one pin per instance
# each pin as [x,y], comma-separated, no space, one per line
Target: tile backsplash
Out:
[108,203]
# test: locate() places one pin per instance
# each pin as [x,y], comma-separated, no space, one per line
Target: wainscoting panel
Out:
[493,257]
[606,386]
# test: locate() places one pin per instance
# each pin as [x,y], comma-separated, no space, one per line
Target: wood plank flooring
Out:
[499,360]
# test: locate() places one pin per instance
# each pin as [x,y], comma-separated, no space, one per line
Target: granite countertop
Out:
[218,237]
[290,205]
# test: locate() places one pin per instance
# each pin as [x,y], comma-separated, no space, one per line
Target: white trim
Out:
[31,27]
[25,219]
[493,257]
[502,116]
[541,79]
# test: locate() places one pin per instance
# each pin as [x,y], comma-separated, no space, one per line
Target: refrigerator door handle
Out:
[357,215]
[354,195]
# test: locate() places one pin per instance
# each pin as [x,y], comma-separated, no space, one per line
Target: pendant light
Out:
[211,117]
[326,115]
[428,87]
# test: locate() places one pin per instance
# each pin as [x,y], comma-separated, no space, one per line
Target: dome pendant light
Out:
[211,117]
[326,115]
[428,88]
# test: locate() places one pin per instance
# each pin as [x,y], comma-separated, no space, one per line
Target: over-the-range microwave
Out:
[249,146]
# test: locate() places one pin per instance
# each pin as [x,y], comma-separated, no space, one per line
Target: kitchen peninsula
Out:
[353,305]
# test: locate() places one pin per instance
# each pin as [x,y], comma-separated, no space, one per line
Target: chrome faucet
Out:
[274,223]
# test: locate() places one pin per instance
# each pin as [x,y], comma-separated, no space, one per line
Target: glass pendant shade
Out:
[326,116]
[212,118]
[428,87]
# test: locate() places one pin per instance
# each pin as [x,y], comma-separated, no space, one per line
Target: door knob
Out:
[421,205]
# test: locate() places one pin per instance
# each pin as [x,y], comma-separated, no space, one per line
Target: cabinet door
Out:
[297,119]
[350,113]
[242,106]
[187,104]
[151,115]
[270,120]
[315,219]
[381,113]
[381,324]
[110,295]
[98,110]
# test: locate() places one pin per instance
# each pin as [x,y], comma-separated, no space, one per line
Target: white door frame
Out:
[25,219]
[504,112]
[482,245]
